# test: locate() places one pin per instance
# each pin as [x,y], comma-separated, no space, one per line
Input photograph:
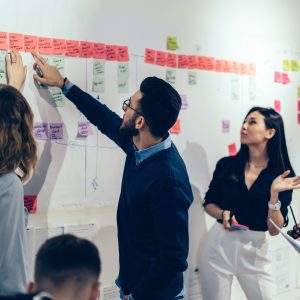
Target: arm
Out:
[169,207]
[220,214]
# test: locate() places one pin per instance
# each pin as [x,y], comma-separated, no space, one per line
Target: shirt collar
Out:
[141,155]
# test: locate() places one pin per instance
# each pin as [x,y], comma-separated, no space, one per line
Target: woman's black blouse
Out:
[229,191]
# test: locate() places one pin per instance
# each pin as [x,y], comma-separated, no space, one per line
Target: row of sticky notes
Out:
[290,65]
[53,46]
[183,61]
[282,78]
[43,131]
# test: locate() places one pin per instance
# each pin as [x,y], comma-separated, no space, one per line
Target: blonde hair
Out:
[17,145]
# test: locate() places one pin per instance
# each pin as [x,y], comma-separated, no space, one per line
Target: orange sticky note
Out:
[30,202]
[227,66]
[219,65]
[3,41]
[30,43]
[209,63]
[150,56]
[201,62]
[175,129]
[160,58]
[298,105]
[277,106]
[99,51]
[59,46]
[171,60]
[15,41]
[251,69]
[45,45]
[192,61]
[86,49]
[243,68]
[234,67]
[72,48]
[111,52]
[123,53]
[232,149]
[182,61]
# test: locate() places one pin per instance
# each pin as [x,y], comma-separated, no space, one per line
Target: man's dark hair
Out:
[66,258]
[160,105]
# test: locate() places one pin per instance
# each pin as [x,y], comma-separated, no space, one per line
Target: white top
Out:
[13,246]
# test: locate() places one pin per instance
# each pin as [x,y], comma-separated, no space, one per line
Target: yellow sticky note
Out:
[172,43]
[286,65]
[294,65]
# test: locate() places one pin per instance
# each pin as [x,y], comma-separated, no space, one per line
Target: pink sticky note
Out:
[232,149]
[210,63]
[225,126]
[3,41]
[219,65]
[182,61]
[15,41]
[192,61]
[298,118]
[72,48]
[99,51]
[86,49]
[59,46]
[184,102]
[277,77]
[235,67]
[160,58]
[123,53]
[277,105]
[175,129]
[56,131]
[227,66]
[285,78]
[243,68]
[201,62]
[171,60]
[150,55]
[112,52]
[30,202]
[30,43]
[40,130]
[84,129]
[251,69]
[298,105]
[45,45]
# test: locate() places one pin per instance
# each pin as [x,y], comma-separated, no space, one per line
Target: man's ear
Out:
[140,122]
[95,291]
[30,287]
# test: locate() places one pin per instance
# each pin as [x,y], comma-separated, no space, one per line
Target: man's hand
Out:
[46,74]
[16,71]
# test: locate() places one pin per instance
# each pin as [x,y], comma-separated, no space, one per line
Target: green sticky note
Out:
[171,76]
[57,96]
[286,65]
[123,86]
[123,70]
[172,43]
[294,65]
[98,84]
[58,62]
[98,75]
[192,77]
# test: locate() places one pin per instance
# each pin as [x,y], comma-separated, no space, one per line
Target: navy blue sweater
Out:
[152,211]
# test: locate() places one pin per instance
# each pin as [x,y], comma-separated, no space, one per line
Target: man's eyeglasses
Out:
[126,104]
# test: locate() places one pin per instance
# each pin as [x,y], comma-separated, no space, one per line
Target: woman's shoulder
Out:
[226,161]
[10,181]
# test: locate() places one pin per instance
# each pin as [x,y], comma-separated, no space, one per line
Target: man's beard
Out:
[128,129]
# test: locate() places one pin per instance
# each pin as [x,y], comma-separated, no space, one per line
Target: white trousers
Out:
[243,254]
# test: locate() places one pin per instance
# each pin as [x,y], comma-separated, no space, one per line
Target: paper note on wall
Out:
[98,75]
[123,77]
[171,76]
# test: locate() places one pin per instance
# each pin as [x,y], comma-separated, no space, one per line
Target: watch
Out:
[275,206]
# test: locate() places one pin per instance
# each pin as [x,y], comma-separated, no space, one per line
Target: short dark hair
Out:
[160,104]
[64,258]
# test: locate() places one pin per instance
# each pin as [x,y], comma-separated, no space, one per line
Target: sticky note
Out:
[123,53]
[111,52]
[227,66]
[86,49]
[99,51]
[175,129]
[210,63]
[171,60]
[84,129]
[298,118]
[160,58]
[57,96]
[184,102]
[192,78]
[59,46]
[219,65]
[294,65]
[98,75]
[40,130]
[285,78]
[150,55]
[251,69]
[45,45]
[298,105]
[171,76]
[123,77]
[277,77]
[286,65]
[72,48]
[15,41]
[3,41]
[232,149]
[30,43]
[243,68]
[192,61]
[201,62]
[56,131]
[225,126]
[182,61]
[172,43]
[30,202]
[277,105]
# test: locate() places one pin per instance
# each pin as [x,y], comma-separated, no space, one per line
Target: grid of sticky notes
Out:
[54,46]
[196,62]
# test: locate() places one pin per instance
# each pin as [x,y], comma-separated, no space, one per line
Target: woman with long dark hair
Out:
[249,188]
[17,155]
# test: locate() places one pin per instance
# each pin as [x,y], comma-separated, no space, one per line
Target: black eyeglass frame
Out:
[126,104]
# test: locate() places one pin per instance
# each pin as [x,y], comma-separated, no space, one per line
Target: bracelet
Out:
[64,83]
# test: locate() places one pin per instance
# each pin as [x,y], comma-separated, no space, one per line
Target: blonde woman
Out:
[17,151]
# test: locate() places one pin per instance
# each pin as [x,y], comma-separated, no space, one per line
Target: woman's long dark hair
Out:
[276,146]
